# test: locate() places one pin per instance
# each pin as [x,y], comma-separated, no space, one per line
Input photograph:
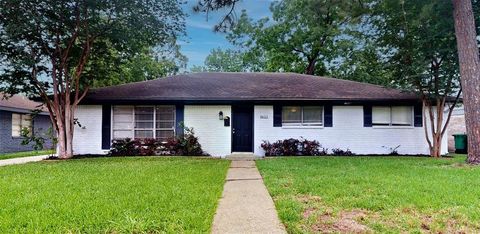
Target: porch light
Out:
[220,115]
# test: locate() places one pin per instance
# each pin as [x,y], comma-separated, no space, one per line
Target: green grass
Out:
[379,194]
[111,195]
[25,154]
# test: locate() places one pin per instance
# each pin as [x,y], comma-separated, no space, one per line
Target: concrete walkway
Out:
[246,206]
[13,161]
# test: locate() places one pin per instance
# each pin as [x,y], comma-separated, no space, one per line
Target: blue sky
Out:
[200,37]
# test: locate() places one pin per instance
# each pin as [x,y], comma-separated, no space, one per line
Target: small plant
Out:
[39,140]
[340,152]
[393,150]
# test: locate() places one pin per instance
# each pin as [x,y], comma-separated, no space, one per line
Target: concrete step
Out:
[242,157]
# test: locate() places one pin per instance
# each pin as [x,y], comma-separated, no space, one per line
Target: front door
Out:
[242,129]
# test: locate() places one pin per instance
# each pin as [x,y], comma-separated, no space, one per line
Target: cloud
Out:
[200,24]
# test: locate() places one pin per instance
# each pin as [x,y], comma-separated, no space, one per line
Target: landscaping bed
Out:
[374,194]
[111,195]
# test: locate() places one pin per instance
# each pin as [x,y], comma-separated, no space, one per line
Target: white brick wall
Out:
[88,138]
[347,132]
[214,137]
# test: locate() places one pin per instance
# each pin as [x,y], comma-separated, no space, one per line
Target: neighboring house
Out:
[235,112]
[15,114]
[455,126]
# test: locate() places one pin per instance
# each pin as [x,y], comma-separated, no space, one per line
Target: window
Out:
[165,122]
[143,122]
[144,118]
[19,122]
[302,115]
[122,122]
[392,116]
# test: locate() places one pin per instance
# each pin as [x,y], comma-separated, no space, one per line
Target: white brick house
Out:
[236,112]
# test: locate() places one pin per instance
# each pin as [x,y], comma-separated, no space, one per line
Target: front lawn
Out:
[374,194]
[111,195]
[25,154]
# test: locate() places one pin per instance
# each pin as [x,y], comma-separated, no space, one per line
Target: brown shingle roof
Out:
[20,102]
[246,87]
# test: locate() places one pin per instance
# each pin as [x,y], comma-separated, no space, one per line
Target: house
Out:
[16,114]
[235,112]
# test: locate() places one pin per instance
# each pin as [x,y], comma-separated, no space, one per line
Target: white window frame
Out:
[154,129]
[144,121]
[112,125]
[21,116]
[301,123]
[164,129]
[391,125]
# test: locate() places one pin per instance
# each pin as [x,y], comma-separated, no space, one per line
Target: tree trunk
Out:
[469,59]
[436,149]
[65,128]
[310,70]
[436,123]
[68,132]
[61,139]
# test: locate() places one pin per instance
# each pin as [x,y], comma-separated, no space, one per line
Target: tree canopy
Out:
[301,36]
[52,49]
[229,60]
[148,64]
[94,32]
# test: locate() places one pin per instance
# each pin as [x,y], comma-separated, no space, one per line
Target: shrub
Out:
[124,147]
[147,146]
[293,147]
[313,148]
[169,147]
[186,145]
[340,152]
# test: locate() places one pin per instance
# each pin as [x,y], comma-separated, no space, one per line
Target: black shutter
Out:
[418,115]
[367,116]
[277,116]
[106,125]
[179,115]
[328,116]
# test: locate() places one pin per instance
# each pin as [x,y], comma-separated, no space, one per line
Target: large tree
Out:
[302,36]
[362,63]
[146,64]
[47,47]
[229,60]
[418,39]
[222,61]
[468,54]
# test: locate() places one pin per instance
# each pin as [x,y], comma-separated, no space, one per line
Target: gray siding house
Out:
[15,114]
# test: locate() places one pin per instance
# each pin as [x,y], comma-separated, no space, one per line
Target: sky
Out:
[201,38]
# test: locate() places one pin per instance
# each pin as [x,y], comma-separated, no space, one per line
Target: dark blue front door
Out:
[242,129]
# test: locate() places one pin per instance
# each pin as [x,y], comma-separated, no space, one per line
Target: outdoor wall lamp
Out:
[220,115]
